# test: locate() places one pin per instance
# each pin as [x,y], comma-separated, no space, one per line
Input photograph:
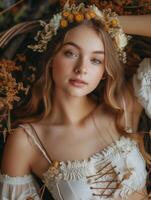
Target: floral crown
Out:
[77,14]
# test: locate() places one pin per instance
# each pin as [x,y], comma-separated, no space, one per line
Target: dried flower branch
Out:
[9,88]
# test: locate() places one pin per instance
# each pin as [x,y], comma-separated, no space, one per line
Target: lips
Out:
[77,82]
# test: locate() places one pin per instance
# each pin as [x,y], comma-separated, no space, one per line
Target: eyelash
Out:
[96,61]
[70,54]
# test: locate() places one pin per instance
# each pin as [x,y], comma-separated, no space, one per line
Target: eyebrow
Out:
[78,47]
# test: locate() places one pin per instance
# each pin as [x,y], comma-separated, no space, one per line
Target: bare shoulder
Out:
[17,155]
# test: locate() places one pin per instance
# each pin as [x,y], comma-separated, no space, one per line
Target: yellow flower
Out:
[70,17]
[92,14]
[87,16]
[79,17]
[64,23]
[65,14]
[114,22]
[56,163]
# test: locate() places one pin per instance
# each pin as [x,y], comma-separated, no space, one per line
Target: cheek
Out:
[96,81]
[96,77]
[97,74]
[59,67]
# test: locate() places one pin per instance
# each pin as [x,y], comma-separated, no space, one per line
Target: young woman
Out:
[77,132]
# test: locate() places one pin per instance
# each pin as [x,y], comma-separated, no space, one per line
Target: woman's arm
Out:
[136,25]
[16,182]
[17,154]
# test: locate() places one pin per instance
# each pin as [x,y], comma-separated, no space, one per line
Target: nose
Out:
[81,66]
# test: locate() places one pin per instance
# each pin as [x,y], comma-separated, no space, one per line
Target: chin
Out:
[81,93]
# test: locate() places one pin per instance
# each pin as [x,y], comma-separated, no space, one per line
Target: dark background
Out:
[13,12]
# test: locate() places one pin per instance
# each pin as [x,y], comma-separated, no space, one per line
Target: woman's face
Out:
[78,66]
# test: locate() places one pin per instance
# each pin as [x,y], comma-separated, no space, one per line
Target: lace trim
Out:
[123,154]
[76,170]
[16,180]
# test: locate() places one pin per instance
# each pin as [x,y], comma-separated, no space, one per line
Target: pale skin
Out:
[69,126]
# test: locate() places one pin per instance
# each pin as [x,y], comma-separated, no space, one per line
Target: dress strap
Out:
[31,132]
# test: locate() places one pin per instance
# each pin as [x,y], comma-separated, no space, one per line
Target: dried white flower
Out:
[106,16]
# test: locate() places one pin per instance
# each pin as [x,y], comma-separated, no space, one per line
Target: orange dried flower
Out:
[87,16]
[65,14]
[70,17]
[79,17]
[92,14]
[63,23]
[9,87]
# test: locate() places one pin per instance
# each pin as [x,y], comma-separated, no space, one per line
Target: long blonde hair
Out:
[39,104]
[109,91]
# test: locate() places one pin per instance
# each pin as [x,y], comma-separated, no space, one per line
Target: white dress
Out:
[119,166]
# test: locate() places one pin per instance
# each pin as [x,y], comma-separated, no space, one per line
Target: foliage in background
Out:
[14,79]
[12,88]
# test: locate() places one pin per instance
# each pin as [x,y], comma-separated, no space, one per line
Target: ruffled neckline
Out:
[102,154]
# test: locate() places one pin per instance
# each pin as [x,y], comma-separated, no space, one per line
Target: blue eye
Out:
[70,54]
[96,61]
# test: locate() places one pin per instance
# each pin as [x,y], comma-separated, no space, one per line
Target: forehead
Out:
[85,37]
